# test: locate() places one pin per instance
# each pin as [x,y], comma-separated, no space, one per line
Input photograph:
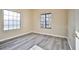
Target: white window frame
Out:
[12,20]
[43,21]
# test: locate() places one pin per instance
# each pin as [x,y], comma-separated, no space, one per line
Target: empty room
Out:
[37,29]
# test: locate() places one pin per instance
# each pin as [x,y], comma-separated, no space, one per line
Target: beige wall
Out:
[59,22]
[30,20]
[25,26]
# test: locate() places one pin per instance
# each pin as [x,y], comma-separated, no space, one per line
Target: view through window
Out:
[45,21]
[11,20]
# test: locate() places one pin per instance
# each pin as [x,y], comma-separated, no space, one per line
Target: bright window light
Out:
[11,20]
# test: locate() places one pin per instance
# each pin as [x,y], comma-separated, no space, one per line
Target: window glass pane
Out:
[42,26]
[5,27]
[47,23]
[15,14]
[48,26]
[18,14]
[18,22]
[10,17]
[42,17]
[11,20]
[15,22]
[5,22]
[6,17]
[15,18]
[42,22]
[10,13]
[18,18]
[5,12]
[47,15]
[47,19]
[10,26]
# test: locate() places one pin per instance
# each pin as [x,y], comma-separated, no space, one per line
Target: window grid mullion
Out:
[12,21]
[45,21]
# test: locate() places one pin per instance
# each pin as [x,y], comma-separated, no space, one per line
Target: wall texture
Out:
[59,22]
[25,24]
[30,20]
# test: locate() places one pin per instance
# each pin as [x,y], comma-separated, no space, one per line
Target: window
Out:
[46,20]
[11,20]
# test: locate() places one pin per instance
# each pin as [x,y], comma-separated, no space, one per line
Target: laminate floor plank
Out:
[26,42]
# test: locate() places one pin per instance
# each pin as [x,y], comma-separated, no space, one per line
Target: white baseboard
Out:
[1,40]
[52,35]
[32,32]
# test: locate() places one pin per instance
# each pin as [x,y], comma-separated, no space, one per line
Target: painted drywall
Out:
[58,22]
[30,22]
[26,27]
[71,28]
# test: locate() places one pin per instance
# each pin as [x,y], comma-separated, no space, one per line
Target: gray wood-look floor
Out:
[28,41]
